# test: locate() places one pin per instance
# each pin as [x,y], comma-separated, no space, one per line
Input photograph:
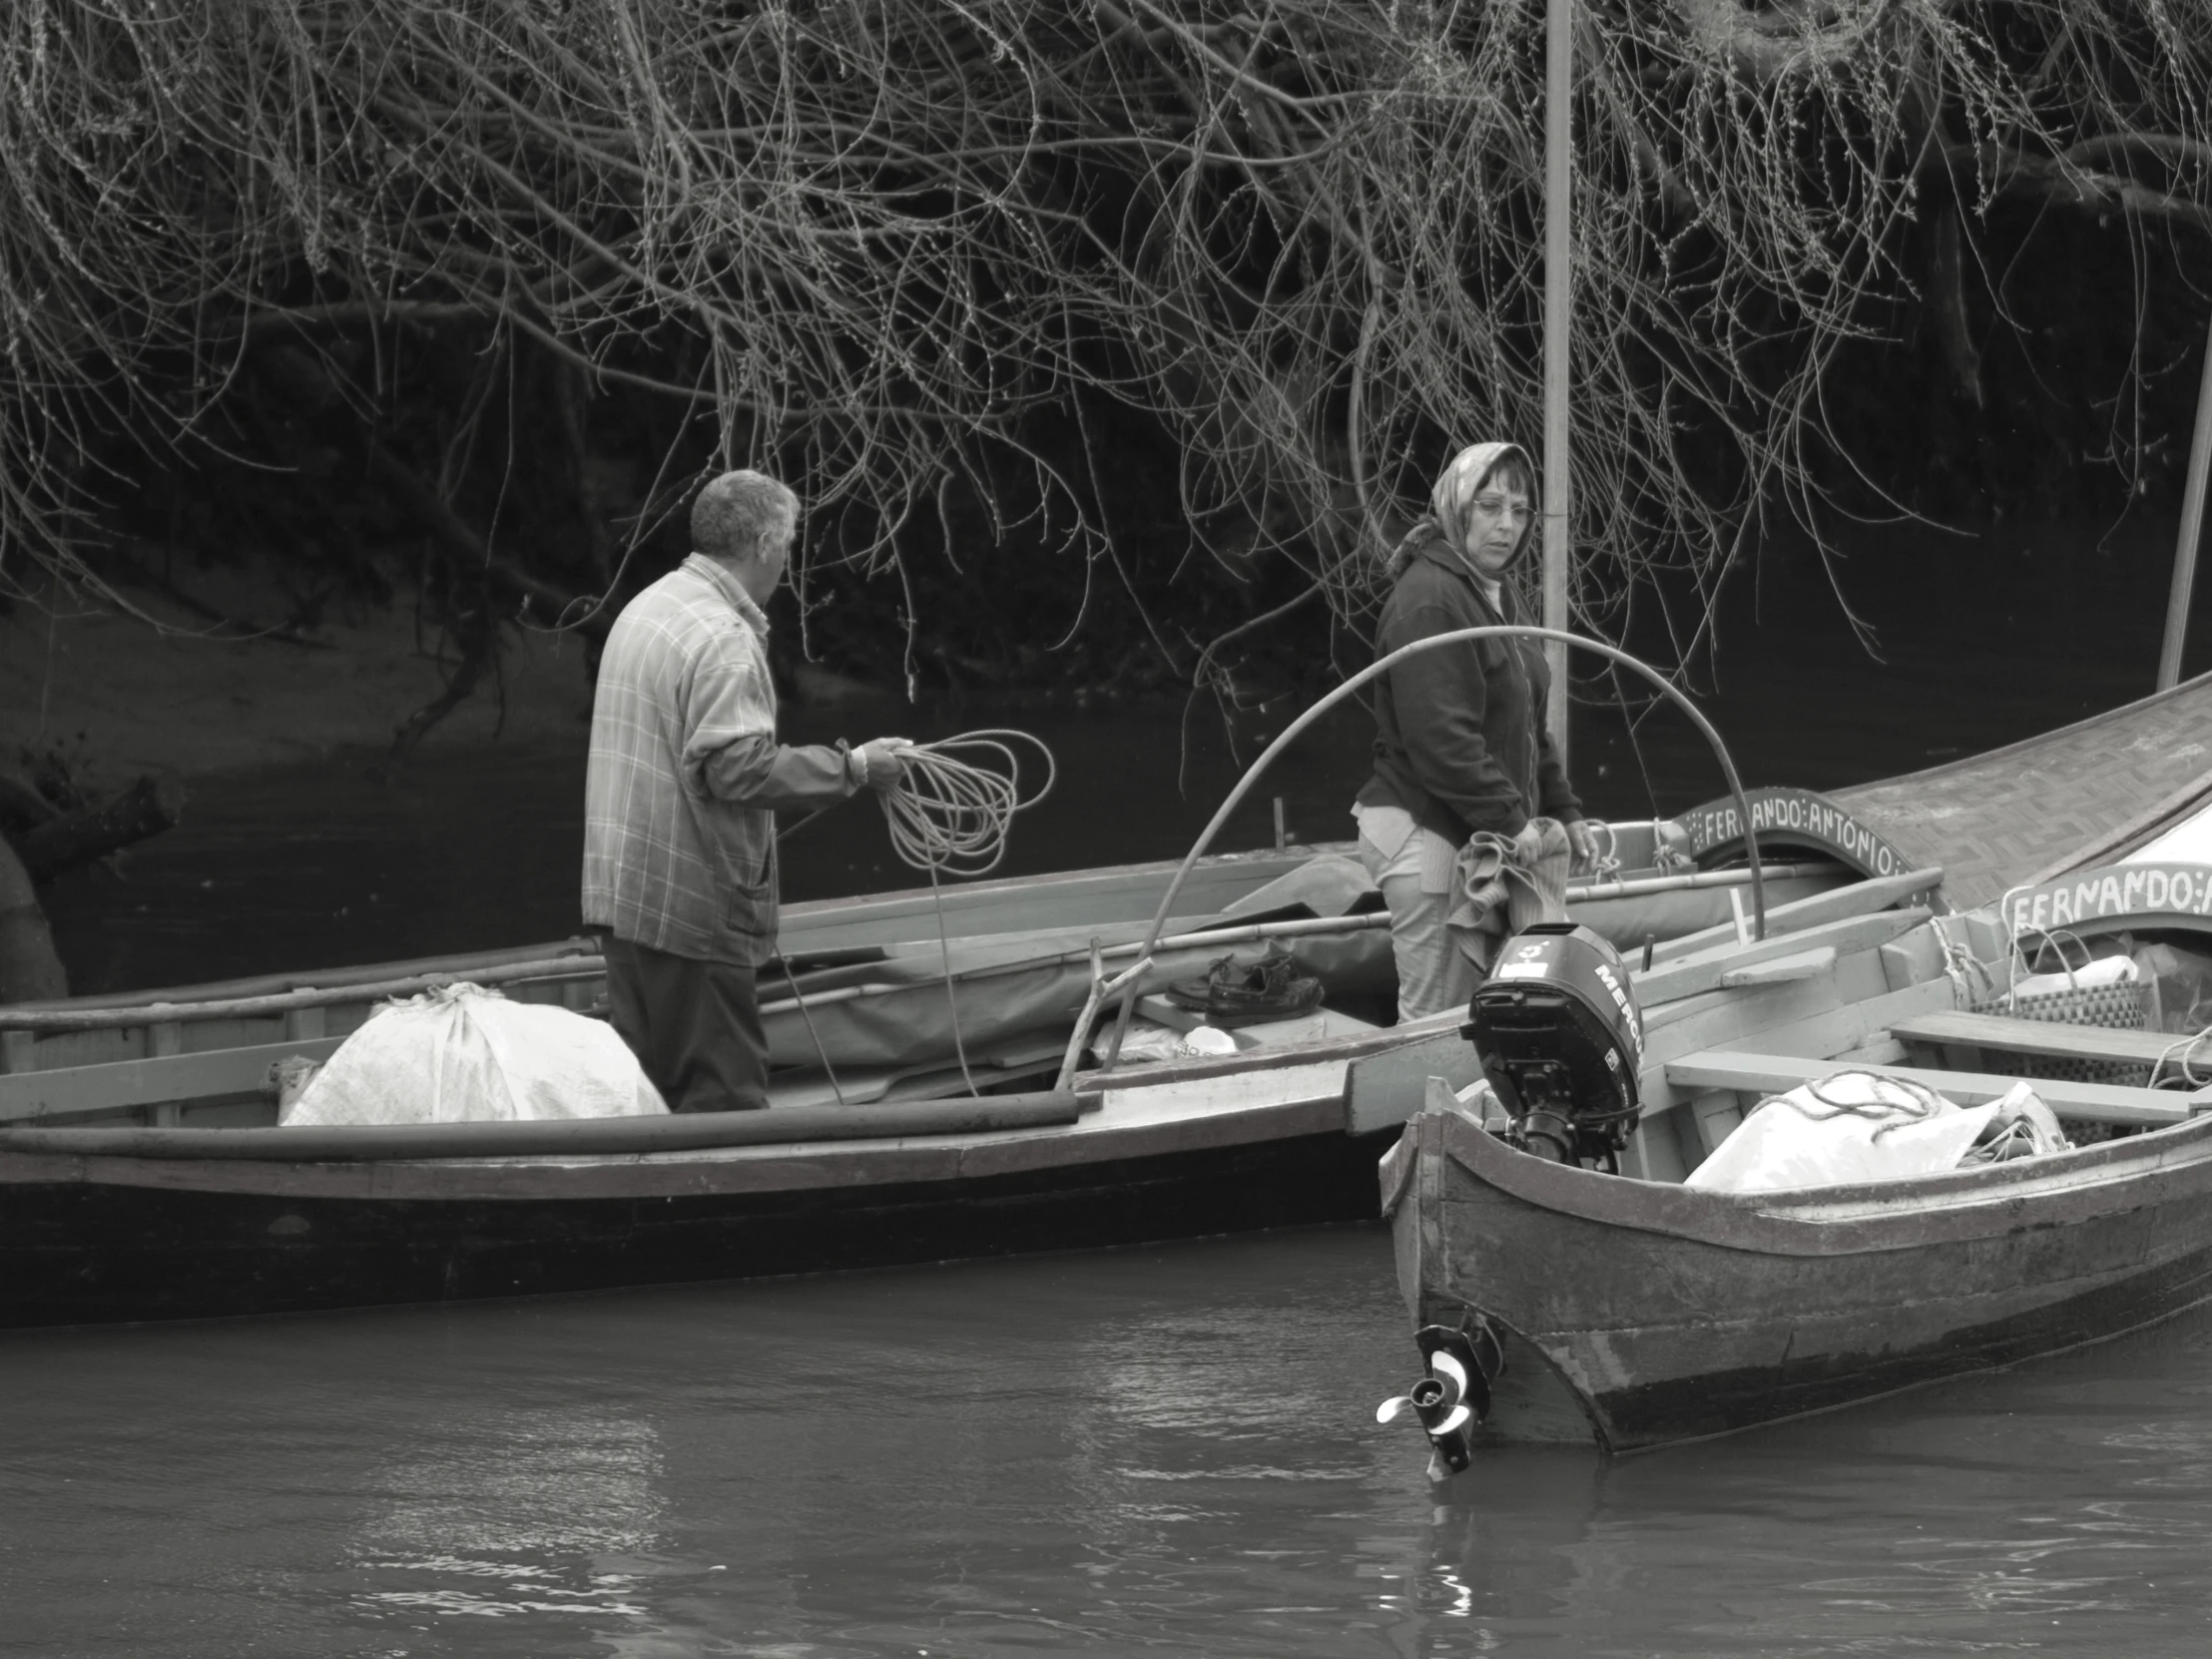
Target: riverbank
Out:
[302,844]
[169,693]
[113,694]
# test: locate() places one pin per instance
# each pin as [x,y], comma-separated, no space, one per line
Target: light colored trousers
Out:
[1412,867]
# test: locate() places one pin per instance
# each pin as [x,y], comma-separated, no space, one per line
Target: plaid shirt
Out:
[685,773]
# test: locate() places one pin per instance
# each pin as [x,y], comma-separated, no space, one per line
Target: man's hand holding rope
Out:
[886,761]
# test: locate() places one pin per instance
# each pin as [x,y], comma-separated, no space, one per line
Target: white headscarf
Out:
[1456,489]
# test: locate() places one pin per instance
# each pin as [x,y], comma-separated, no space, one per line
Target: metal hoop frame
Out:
[1458,636]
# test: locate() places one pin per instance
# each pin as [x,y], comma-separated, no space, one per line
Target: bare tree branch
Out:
[900,242]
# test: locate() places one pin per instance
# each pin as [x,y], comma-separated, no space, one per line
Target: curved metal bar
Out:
[1382,665]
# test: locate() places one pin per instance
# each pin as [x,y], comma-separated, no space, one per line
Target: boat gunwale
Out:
[1861,1217]
[583,1177]
[585,945]
[640,1134]
[1348,1046]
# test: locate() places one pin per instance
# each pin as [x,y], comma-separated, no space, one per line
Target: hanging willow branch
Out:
[898,243]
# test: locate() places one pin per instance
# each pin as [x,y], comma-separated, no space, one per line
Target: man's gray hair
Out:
[738,511]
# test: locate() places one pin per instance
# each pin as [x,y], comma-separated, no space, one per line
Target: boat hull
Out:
[103,1240]
[1638,1314]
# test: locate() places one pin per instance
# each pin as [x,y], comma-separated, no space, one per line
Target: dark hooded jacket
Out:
[1460,739]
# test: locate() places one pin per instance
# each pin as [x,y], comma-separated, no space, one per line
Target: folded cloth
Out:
[1496,892]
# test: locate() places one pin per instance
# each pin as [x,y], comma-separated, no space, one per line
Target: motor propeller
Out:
[1455,1396]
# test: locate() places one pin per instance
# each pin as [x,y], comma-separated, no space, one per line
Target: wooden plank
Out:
[54,1051]
[1838,905]
[1689,1145]
[1716,1114]
[1763,1074]
[1856,975]
[1722,1019]
[1385,1089]
[1090,899]
[1781,970]
[1726,1018]
[1705,971]
[84,1017]
[1882,1052]
[1913,959]
[1176,1091]
[1837,1010]
[149,1082]
[1847,933]
[1659,1153]
[555,1137]
[162,1041]
[2036,1036]
[1859,1021]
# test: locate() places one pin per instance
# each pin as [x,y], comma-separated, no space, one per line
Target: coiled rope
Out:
[2181,1054]
[1889,1113]
[950,814]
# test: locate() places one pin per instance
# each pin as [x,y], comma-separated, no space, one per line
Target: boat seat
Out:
[2039,1036]
[165,1081]
[1764,1074]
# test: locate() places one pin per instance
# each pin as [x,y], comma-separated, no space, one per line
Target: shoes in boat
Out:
[1229,994]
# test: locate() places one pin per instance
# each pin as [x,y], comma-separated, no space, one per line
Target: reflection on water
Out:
[1147,1451]
[501,1512]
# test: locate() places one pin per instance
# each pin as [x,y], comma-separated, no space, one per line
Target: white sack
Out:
[464,1055]
[1795,1139]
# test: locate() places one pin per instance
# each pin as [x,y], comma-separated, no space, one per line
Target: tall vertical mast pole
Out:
[1558,291]
[2192,526]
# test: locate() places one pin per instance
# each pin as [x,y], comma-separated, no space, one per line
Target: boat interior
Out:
[903,996]
[2104,1015]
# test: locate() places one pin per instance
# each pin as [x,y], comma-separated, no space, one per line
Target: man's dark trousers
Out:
[694,1026]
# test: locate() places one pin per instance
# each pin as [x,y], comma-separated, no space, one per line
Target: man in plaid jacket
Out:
[685,778]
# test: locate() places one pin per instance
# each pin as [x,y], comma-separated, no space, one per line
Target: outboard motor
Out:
[1560,1040]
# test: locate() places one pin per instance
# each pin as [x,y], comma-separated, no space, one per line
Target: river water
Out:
[1148,1451]
[1162,1450]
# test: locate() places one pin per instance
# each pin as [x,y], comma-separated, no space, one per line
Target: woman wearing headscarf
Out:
[1461,743]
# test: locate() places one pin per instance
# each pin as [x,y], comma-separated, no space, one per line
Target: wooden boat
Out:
[141,1174]
[1633,1312]
[170,1197]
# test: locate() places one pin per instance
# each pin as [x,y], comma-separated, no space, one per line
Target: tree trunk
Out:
[62,843]
[29,970]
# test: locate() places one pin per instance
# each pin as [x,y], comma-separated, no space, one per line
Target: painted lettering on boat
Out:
[1802,816]
[2104,895]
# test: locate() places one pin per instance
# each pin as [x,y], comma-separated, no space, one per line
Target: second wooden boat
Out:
[1630,1311]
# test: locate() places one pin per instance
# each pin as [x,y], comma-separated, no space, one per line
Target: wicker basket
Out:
[2118,1007]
